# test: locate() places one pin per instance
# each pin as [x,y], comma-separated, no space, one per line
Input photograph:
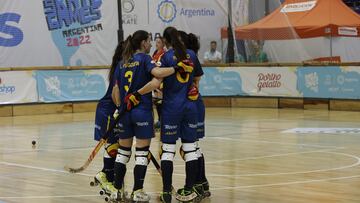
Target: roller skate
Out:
[199,189]
[206,190]
[118,195]
[139,196]
[107,188]
[188,196]
[165,197]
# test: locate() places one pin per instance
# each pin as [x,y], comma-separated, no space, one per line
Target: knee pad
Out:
[198,150]
[167,152]
[188,152]
[111,150]
[142,156]
[123,155]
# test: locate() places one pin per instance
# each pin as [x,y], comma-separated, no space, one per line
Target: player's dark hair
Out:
[172,37]
[117,57]
[194,43]
[190,41]
[133,43]
[184,38]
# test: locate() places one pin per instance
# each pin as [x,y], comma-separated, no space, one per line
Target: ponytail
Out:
[115,60]
[133,43]
[128,49]
[173,38]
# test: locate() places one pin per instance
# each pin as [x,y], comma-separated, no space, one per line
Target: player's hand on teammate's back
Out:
[193,93]
[185,66]
[132,100]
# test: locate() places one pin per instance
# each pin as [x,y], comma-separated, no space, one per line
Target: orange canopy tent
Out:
[303,19]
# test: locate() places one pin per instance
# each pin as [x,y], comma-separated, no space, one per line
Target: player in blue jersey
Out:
[178,118]
[135,83]
[191,42]
[103,119]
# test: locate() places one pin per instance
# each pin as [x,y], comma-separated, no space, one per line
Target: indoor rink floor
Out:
[252,156]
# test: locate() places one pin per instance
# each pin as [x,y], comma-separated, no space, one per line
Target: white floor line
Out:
[357,163]
[50,196]
[285,183]
[41,168]
[272,142]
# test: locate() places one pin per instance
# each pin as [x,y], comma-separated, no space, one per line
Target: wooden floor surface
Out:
[249,157]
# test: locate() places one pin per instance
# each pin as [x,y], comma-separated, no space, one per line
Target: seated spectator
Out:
[258,56]
[212,56]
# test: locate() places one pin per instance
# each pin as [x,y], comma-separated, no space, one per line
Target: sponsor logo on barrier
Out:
[167,11]
[312,81]
[6,89]
[14,35]
[268,80]
[53,85]
[128,17]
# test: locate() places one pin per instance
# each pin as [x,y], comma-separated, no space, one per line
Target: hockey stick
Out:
[156,164]
[158,168]
[97,148]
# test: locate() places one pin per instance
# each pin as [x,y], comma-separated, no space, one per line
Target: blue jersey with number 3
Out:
[133,75]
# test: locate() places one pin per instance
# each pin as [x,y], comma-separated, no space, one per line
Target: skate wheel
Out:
[92,183]
[207,194]
[106,199]
[198,199]
[102,192]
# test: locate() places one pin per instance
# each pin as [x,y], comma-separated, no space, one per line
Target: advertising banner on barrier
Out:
[17,87]
[77,85]
[220,82]
[329,82]
[267,81]
[250,81]
[57,32]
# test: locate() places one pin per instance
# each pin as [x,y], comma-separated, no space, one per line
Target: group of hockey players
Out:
[170,79]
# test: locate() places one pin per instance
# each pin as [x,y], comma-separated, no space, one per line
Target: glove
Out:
[184,66]
[132,100]
[193,93]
